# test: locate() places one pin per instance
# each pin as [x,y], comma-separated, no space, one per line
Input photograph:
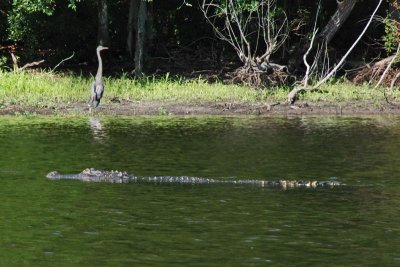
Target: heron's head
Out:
[100,47]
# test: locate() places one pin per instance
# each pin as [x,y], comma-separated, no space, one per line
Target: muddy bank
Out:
[126,108]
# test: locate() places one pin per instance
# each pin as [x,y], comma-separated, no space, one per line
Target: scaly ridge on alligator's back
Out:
[93,175]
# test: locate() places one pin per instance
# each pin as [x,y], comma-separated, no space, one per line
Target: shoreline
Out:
[165,108]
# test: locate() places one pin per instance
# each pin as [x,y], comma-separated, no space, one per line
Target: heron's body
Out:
[97,88]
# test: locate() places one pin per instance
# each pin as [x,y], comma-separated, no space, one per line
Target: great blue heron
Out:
[97,88]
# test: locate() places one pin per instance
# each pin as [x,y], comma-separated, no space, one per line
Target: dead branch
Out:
[315,30]
[62,61]
[28,65]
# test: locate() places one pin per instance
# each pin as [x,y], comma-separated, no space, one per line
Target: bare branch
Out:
[65,59]
[305,59]
[315,30]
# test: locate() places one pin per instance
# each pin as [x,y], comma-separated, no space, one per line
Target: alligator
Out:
[93,175]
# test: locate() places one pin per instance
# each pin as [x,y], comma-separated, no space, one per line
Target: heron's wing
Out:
[99,91]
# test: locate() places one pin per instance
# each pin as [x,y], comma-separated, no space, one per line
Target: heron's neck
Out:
[100,69]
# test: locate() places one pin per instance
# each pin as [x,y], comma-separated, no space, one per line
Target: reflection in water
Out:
[97,129]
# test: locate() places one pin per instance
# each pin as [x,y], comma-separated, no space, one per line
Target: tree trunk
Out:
[149,25]
[342,13]
[394,12]
[132,25]
[140,37]
[103,36]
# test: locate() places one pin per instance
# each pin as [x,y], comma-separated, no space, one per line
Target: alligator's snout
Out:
[53,175]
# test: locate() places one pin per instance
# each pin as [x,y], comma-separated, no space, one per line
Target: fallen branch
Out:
[28,65]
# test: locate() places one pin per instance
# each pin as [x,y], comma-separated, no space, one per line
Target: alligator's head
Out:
[53,175]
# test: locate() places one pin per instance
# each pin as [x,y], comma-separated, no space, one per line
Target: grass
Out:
[43,89]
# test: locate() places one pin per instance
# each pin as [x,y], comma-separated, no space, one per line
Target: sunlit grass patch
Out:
[43,89]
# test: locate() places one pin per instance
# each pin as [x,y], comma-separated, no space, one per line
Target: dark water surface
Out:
[70,223]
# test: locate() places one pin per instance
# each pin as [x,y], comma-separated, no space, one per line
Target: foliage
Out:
[392,34]
[30,21]
[392,28]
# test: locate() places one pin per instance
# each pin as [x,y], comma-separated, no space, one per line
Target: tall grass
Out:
[43,88]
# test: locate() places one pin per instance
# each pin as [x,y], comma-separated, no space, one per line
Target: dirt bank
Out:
[126,108]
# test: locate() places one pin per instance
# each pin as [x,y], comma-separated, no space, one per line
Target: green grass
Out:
[35,89]
[42,89]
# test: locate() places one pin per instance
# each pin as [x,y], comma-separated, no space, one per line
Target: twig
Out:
[65,59]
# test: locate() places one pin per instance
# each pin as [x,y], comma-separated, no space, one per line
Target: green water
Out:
[70,223]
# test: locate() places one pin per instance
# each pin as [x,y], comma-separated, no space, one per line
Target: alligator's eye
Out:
[86,170]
